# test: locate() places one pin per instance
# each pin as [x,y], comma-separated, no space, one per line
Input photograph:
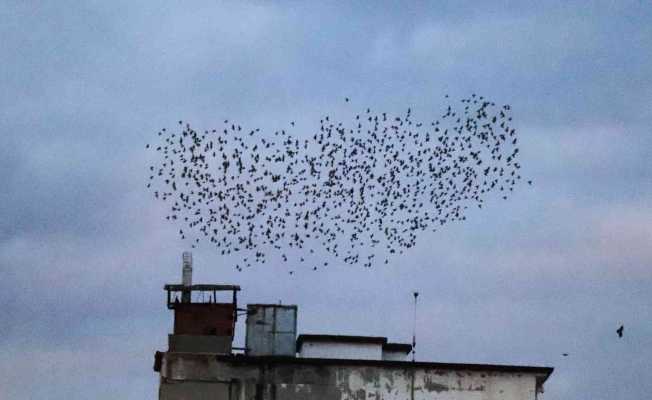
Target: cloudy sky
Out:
[84,250]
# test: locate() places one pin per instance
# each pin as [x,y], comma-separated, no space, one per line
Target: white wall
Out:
[351,351]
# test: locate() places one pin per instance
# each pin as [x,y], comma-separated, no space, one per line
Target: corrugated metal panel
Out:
[271,330]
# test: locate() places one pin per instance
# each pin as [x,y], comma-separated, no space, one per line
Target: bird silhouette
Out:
[620,330]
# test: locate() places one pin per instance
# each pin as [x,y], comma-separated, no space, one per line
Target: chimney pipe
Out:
[186,277]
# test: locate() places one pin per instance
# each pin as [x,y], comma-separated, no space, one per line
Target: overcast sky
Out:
[85,251]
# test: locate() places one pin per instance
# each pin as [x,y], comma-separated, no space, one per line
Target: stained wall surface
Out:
[297,381]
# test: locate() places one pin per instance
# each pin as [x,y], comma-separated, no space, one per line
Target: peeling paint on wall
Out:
[288,380]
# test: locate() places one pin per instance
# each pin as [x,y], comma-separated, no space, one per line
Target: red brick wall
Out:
[204,319]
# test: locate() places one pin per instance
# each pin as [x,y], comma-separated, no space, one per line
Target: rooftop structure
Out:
[344,347]
[275,364]
[203,321]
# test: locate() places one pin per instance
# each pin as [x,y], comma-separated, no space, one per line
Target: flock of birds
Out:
[361,190]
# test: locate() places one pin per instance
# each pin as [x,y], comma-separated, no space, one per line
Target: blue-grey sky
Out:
[84,250]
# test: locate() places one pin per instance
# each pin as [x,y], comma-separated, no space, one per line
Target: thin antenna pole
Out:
[414,327]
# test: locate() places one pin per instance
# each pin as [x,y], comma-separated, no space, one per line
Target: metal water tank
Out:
[271,330]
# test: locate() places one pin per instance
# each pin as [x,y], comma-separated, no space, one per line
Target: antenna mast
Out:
[414,327]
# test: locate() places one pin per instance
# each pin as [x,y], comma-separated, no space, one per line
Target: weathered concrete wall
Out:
[298,381]
[351,351]
[189,390]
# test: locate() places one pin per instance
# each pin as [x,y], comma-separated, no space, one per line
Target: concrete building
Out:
[277,365]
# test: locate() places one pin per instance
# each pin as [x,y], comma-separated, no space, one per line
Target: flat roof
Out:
[339,339]
[244,359]
[200,287]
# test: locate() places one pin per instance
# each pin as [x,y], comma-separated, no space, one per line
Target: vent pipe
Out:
[186,277]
